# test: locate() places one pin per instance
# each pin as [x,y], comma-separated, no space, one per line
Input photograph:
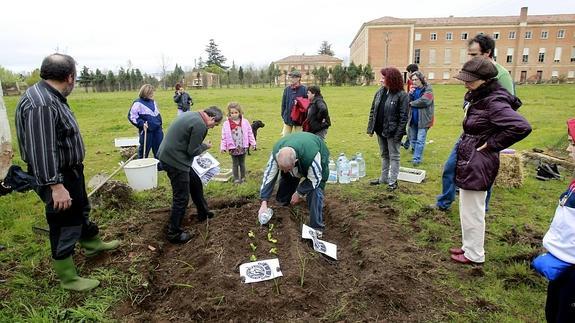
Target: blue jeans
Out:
[417,140]
[448,187]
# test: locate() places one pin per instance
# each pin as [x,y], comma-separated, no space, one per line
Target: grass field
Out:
[506,291]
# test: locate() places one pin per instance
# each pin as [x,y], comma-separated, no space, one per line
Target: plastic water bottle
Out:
[353,170]
[361,164]
[344,172]
[332,172]
[265,217]
[339,159]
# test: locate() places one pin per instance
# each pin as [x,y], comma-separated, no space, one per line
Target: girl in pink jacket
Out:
[237,137]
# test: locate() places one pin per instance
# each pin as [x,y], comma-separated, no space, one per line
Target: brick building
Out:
[305,64]
[534,48]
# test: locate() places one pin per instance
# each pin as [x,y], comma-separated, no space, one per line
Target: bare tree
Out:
[164,68]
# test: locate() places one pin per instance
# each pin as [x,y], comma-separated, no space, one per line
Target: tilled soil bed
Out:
[380,274]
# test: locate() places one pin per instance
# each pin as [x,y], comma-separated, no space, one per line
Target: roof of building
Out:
[487,20]
[466,21]
[309,59]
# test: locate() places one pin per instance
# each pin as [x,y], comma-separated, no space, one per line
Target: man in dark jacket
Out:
[183,142]
[52,146]
[291,92]
[317,120]
[183,99]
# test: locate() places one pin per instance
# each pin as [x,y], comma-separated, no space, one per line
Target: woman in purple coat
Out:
[491,124]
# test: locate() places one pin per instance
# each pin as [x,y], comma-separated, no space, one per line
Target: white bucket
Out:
[142,174]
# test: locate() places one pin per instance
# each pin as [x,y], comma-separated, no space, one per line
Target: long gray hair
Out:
[420,76]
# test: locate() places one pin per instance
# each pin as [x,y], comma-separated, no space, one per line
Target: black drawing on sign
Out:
[320,246]
[260,271]
[204,163]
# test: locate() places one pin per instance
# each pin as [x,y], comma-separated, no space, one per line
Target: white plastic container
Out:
[353,170]
[332,172]
[361,163]
[343,172]
[126,141]
[411,175]
[142,174]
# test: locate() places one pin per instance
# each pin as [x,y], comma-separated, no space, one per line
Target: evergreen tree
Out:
[111,81]
[241,75]
[352,73]
[322,75]
[85,79]
[338,75]
[325,49]
[215,57]
[368,74]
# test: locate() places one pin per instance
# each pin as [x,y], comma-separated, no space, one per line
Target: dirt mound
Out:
[113,195]
[380,274]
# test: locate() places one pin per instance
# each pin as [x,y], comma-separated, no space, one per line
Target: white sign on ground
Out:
[258,271]
[206,166]
[327,248]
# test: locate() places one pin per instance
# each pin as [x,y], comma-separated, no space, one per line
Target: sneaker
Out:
[435,207]
[179,238]
[237,181]
[374,182]
[393,186]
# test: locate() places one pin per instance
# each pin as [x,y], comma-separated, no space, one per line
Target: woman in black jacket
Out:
[183,99]
[387,119]
[317,120]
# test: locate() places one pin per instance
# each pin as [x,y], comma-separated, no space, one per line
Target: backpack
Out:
[299,111]
[17,180]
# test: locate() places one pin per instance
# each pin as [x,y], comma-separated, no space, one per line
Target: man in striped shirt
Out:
[51,144]
[296,156]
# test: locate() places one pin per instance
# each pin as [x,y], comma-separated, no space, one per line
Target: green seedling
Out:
[274,250]
[251,234]
[253,246]
[271,239]
[253,258]
[271,228]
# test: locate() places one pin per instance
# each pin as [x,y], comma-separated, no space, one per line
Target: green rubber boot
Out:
[69,279]
[95,245]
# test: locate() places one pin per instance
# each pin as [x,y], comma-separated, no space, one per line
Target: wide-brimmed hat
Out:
[477,68]
[295,73]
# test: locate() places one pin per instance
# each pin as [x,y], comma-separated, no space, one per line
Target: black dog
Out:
[255,126]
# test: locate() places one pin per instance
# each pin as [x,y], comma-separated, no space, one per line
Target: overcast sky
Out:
[108,34]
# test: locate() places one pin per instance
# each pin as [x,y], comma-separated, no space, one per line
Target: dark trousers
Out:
[288,185]
[73,224]
[560,306]
[152,143]
[239,167]
[184,184]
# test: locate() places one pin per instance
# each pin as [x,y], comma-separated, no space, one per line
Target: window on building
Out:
[495,54]
[571,74]
[541,57]
[462,55]
[525,57]
[544,34]
[446,76]
[496,35]
[432,36]
[431,75]
[447,57]
[431,56]
[572,54]
[417,36]
[417,56]
[449,36]
[557,57]
[510,55]
[511,35]
[528,35]
[554,74]
[561,33]
[463,36]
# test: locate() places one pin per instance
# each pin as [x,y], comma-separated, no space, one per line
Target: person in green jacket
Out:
[182,143]
[298,156]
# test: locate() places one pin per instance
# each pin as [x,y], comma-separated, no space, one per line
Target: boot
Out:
[95,245]
[69,279]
